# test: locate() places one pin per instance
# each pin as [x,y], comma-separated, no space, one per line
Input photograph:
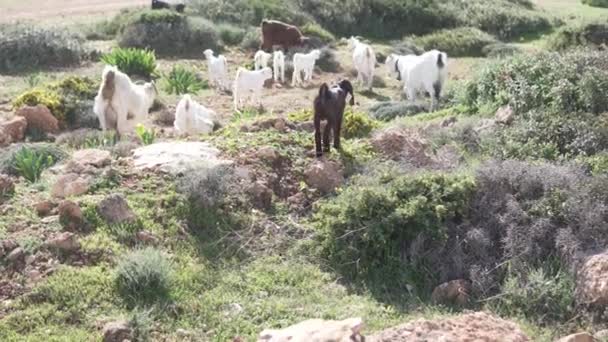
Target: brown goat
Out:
[329,105]
[275,32]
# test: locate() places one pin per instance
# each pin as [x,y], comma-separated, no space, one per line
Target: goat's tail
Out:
[108,84]
[348,88]
[324,92]
[440,60]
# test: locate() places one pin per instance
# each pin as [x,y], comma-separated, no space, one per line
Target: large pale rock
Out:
[478,326]
[592,281]
[504,115]
[580,337]
[118,331]
[71,216]
[70,184]
[348,330]
[39,118]
[455,292]
[92,157]
[65,242]
[114,209]
[177,157]
[14,129]
[324,175]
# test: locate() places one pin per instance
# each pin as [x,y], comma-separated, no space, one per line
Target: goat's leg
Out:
[294,77]
[337,130]
[326,132]
[236,100]
[318,135]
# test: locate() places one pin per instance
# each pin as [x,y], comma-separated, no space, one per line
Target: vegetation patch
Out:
[580,34]
[13,159]
[144,276]
[459,42]
[181,80]
[133,62]
[596,3]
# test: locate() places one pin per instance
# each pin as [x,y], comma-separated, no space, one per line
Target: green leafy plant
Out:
[30,163]
[147,136]
[357,124]
[183,81]
[132,61]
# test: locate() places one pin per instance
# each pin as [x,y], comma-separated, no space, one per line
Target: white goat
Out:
[304,63]
[121,104]
[250,82]
[261,59]
[364,60]
[278,64]
[427,72]
[192,118]
[218,70]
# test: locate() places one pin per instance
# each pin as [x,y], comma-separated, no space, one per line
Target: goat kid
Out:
[278,64]
[329,105]
[192,118]
[250,82]
[121,104]
[304,63]
[261,59]
[364,60]
[218,70]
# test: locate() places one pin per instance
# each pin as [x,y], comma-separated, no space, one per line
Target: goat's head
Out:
[347,87]
[352,42]
[151,92]
[316,53]
[208,53]
[391,64]
[266,72]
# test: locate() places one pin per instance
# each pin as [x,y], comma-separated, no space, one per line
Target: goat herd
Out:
[121,104]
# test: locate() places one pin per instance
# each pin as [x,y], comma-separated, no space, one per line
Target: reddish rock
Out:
[65,242]
[70,184]
[39,118]
[71,217]
[44,208]
[455,292]
[114,209]
[261,195]
[580,337]
[14,129]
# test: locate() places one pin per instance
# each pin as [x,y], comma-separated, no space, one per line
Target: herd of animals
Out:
[122,104]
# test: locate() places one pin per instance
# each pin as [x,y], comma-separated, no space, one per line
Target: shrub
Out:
[146,136]
[183,81]
[230,34]
[314,30]
[406,46]
[388,110]
[169,33]
[30,163]
[251,40]
[250,12]
[45,97]
[459,42]
[375,224]
[25,48]
[144,276]
[500,50]
[595,3]
[9,155]
[328,61]
[592,34]
[87,138]
[357,124]
[133,62]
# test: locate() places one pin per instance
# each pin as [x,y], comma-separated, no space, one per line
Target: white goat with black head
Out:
[121,104]
[427,72]
[218,70]
[364,60]
[304,63]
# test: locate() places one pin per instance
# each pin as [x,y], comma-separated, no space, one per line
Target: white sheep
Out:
[364,60]
[304,63]
[192,118]
[250,82]
[218,70]
[427,72]
[261,59]
[278,64]
[121,104]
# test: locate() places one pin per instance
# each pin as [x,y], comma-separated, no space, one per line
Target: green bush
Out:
[25,48]
[183,81]
[357,124]
[9,156]
[230,34]
[316,31]
[250,12]
[30,163]
[144,276]
[459,42]
[500,50]
[591,34]
[251,40]
[146,136]
[131,61]
[169,33]
[45,97]
[367,228]
[596,3]
[388,110]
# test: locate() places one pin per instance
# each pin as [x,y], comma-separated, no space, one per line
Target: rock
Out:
[65,242]
[324,175]
[176,157]
[117,331]
[71,217]
[114,209]
[317,330]
[484,125]
[449,122]
[477,326]
[7,186]
[592,281]
[601,335]
[504,115]
[280,125]
[44,208]
[5,140]
[92,157]
[147,237]
[580,337]
[455,292]
[39,118]
[308,126]
[70,184]
[50,219]
[261,195]
[16,257]
[268,154]
[14,129]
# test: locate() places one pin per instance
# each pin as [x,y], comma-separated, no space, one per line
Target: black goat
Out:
[159,4]
[329,105]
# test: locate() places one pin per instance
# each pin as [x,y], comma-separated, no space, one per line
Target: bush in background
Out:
[169,33]
[459,42]
[131,61]
[183,81]
[596,3]
[28,48]
[357,124]
[314,30]
[250,12]
[230,34]
[389,110]
[500,50]
[251,40]
[589,34]
[144,276]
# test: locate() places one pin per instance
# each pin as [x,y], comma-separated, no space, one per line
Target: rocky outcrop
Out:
[176,157]
[39,118]
[12,131]
[592,281]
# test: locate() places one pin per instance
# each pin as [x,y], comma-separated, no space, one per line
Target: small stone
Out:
[7,186]
[92,157]
[580,337]
[114,209]
[504,115]
[261,195]
[34,275]
[268,154]
[117,331]
[50,219]
[65,242]
[44,208]
[71,216]
[146,237]
[449,122]
[69,185]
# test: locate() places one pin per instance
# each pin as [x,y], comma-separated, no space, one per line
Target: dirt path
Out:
[13,10]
